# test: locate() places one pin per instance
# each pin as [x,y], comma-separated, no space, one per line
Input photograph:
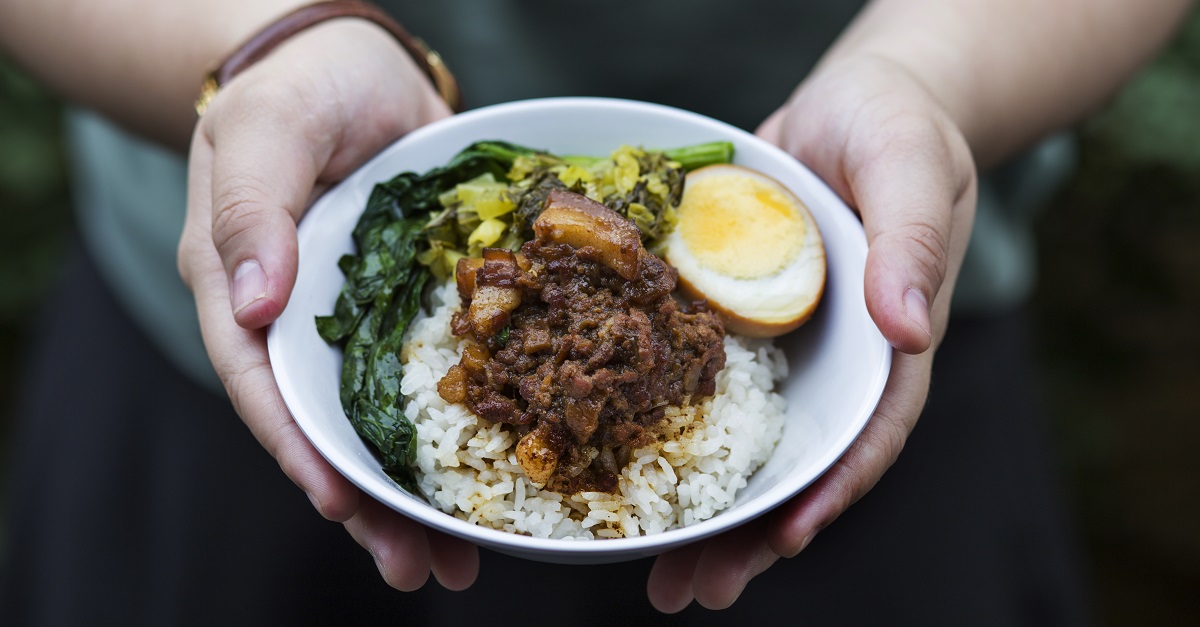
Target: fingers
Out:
[319,106]
[670,584]
[909,187]
[794,524]
[874,134]
[402,552]
[398,544]
[322,104]
[406,552]
[455,562]
[240,358]
[728,563]
[890,151]
[715,571]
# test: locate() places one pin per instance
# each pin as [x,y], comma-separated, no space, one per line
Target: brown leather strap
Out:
[306,16]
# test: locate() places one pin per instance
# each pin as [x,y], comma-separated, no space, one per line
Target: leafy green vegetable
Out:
[418,225]
[380,297]
[382,294]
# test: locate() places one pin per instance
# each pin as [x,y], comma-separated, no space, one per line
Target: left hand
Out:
[885,145]
[298,121]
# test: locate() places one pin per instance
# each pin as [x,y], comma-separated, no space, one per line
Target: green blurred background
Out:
[1117,311]
[1118,306]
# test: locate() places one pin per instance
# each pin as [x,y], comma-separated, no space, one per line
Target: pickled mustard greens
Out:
[419,225]
[497,209]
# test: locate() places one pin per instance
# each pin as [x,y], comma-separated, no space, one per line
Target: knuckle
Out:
[886,443]
[183,253]
[902,133]
[930,246]
[846,493]
[194,243]
[270,103]
[234,388]
[248,100]
[251,398]
[238,208]
[278,442]
[241,381]
[875,452]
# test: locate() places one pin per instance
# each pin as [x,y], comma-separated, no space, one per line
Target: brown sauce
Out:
[579,360]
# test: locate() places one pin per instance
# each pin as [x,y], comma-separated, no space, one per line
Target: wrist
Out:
[345,87]
[307,16]
[938,47]
[355,57]
[226,36]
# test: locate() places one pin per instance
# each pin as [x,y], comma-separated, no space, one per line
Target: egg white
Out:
[765,305]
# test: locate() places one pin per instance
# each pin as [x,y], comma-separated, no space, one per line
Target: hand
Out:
[886,146]
[301,119]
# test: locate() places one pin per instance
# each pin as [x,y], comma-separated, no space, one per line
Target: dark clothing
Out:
[734,61]
[139,498]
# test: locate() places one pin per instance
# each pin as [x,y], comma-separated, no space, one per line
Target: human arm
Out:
[322,103]
[138,63]
[895,118]
[1008,73]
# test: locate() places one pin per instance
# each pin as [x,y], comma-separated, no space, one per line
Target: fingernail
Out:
[249,285]
[315,503]
[917,309]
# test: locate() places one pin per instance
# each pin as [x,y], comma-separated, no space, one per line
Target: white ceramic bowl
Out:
[838,361]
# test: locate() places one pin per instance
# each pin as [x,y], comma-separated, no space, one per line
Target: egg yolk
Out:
[739,226]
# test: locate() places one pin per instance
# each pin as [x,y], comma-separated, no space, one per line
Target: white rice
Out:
[468,467]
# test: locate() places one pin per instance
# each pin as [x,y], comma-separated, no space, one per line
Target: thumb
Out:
[263,176]
[910,193]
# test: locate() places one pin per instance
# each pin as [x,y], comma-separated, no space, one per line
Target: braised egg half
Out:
[747,245]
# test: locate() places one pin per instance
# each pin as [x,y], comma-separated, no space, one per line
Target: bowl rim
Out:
[409,505]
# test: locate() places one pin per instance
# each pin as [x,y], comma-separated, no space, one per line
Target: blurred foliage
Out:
[34,214]
[1156,118]
[1118,305]
[33,198]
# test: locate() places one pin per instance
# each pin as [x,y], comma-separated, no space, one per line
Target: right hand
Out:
[296,122]
[887,147]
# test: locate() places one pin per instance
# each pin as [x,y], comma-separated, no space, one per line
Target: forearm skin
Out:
[1009,72]
[139,62]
